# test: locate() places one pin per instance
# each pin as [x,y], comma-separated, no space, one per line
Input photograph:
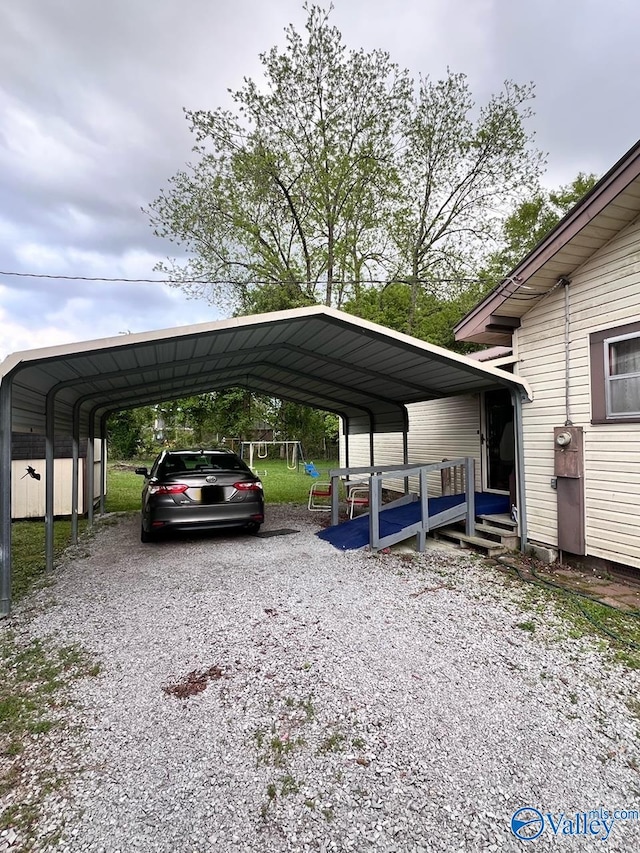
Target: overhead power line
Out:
[520,297]
[255,281]
[105,278]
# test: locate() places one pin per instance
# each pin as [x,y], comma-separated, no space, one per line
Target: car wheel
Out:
[253,527]
[144,536]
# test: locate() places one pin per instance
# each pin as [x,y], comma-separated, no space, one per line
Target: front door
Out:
[499,440]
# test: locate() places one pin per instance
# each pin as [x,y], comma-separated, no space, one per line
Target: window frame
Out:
[599,343]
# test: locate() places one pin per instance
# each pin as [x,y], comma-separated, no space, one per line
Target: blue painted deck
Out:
[354,533]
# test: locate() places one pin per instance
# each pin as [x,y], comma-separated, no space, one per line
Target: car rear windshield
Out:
[184,463]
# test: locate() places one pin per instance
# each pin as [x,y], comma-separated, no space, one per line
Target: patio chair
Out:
[357,497]
[319,497]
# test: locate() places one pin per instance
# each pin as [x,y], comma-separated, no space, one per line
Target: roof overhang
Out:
[611,205]
[315,356]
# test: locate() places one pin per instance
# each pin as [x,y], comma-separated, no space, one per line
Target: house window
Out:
[615,375]
[623,380]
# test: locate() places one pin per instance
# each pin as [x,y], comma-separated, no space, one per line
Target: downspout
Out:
[5,497]
[521,491]
[565,282]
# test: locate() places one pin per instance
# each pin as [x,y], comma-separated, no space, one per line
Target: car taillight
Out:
[168,489]
[248,486]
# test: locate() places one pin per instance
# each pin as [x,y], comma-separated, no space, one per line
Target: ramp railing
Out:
[377,474]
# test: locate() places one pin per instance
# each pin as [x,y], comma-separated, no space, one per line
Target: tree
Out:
[285,202]
[334,180]
[423,314]
[458,172]
[435,314]
[316,430]
[231,414]
[334,174]
[528,224]
[125,432]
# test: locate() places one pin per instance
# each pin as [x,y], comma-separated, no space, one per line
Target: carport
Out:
[315,356]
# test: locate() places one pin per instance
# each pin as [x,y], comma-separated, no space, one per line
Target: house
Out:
[567,320]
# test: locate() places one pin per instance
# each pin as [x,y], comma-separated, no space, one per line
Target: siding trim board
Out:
[598,354]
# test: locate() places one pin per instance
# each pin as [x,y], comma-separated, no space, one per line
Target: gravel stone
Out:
[360,702]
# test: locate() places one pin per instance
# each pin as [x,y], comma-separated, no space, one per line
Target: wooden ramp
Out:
[397,521]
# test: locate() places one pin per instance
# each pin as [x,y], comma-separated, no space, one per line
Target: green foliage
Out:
[290,189]
[193,418]
[220,415]
[124,432]
[315,429]
[430,316]
[335,172]
[457,169]
[530,222]
[220,418]
[333,742]
[433,317]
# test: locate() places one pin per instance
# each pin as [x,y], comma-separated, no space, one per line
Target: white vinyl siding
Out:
[439,429]
[604,293]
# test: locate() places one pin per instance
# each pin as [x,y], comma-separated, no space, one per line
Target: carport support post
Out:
[345,427]
[405,458]
[49,413]
[519,461]
[90,478]
[5,497]
[75,472]
[103,459]
[470,483]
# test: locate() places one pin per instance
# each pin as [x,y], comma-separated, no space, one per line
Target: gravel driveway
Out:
[350,701]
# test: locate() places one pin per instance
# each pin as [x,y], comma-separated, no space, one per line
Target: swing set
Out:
[260,450]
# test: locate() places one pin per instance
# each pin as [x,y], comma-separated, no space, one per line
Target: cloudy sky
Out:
[91,122]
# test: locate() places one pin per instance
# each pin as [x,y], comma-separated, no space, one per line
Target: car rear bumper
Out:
[204,517]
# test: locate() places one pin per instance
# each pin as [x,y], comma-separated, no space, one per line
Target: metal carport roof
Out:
[316,356]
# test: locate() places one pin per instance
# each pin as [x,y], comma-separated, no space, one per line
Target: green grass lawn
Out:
[28,551]
[280,484]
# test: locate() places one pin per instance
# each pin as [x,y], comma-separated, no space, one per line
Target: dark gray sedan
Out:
[199,490]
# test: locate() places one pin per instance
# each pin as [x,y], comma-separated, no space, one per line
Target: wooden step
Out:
[506,536]
[489,546]
[503,520]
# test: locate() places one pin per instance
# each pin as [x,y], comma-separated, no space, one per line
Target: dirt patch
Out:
[194,682]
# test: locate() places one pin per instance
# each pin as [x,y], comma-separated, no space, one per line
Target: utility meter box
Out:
[568,468]
[567,456]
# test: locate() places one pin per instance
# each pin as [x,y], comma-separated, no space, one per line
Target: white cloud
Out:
[91,122]
[17,336]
